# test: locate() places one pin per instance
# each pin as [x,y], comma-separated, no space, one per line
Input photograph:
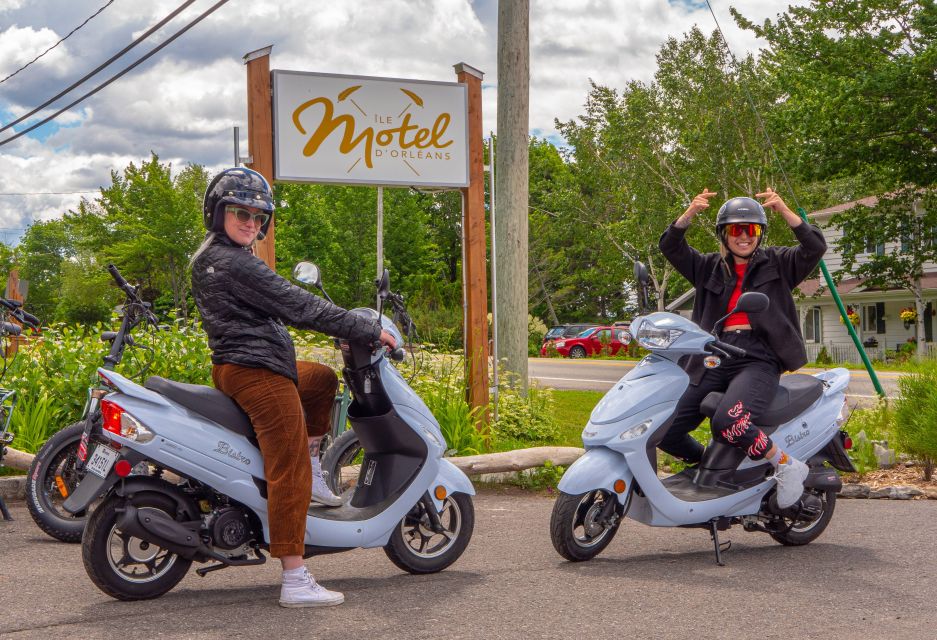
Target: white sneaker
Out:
[790,482]
[304,591]
[320,489]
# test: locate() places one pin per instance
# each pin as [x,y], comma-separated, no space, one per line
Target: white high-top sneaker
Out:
[320,489]
[790,478]
[299,589]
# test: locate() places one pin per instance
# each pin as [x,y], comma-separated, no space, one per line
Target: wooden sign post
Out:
[475,269]
[260,134]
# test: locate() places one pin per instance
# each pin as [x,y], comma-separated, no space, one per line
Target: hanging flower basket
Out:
[852,315]
[908,316]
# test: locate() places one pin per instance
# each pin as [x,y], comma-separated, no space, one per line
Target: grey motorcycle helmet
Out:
[744,211]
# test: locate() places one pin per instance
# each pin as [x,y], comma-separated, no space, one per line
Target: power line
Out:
[46,193]
[130,46]
[110,2]
[204,15]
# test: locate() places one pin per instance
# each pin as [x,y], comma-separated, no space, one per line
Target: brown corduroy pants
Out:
[283,415]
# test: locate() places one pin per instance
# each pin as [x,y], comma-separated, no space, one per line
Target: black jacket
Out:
[774,271]
[244,306]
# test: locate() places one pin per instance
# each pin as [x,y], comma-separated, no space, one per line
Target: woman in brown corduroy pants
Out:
[245,306]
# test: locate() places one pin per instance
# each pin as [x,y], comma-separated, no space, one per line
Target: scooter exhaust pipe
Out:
[154,526]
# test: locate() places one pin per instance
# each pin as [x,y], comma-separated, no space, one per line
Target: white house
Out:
[880,326]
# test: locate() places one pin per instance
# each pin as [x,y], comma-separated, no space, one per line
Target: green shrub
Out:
[440,383]
[60,365]
[35,419]
[529,420]
[877,424]
[824,358]
[916,415]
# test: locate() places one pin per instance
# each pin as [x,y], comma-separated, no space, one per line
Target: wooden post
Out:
[511,185]
[13,293]
[260,133]
[474,269]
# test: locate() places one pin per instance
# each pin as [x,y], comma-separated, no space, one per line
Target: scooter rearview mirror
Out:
[752,302]
[307,273]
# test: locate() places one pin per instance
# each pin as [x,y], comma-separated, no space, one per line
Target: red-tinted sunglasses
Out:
[736,229]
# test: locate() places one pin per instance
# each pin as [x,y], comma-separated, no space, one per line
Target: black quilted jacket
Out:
[245,305]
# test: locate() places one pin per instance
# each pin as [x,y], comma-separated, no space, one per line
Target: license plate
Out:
[102,460]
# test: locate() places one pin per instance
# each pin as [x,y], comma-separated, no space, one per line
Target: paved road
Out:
[871,575]
[600,375]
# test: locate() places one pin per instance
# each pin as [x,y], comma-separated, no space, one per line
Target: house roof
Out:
[854,285]
[870,201]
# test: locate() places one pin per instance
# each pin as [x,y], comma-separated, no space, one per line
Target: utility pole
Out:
[511,185]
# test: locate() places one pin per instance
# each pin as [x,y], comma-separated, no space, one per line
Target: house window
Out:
[873,318]
[812,324]
[872,247]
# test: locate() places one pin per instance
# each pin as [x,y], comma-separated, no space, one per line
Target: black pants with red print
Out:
[749,385]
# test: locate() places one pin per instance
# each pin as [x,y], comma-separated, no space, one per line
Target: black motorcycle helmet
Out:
[744,211]
[236,186]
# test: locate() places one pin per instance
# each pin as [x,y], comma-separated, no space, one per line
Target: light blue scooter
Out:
[617,475]
[144,534]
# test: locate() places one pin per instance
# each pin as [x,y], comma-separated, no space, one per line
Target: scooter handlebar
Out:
[729,349]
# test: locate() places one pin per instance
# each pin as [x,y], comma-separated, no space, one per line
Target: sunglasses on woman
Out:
[736,229]
[245,216]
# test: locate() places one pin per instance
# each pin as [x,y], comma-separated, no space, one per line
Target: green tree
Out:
[640,156]
[857,83]
[148,224]
[40,255]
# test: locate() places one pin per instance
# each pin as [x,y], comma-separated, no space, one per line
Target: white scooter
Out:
[617,475]
[144,534]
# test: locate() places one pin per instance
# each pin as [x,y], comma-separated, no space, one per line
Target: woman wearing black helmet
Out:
[244,307]
[773,341]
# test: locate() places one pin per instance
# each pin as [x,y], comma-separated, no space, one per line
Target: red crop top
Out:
[737,319]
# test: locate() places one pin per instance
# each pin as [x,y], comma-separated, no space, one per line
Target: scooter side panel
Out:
[653,381]
[597,468]
[453,479]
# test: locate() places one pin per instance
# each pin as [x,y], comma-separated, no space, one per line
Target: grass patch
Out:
[572,409]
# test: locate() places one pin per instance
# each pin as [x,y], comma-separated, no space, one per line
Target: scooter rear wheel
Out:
[575,529]
[804,533]
[416,548]
[125,567]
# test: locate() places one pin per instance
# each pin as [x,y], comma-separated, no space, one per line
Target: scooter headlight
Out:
[650,336]
[636,431]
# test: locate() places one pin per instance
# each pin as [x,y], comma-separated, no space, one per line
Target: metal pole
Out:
[380,236]
[494,273]
[842,312]
[237,147]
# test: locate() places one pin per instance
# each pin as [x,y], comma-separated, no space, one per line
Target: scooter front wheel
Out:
[583,525]
[416,548]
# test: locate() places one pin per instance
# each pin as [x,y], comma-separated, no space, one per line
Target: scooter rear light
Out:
[847,443]
[121,423]
[110,416]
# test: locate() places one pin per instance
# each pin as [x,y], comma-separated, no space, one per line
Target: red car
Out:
[592,341]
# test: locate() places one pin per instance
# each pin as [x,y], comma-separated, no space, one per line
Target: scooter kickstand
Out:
[718,546]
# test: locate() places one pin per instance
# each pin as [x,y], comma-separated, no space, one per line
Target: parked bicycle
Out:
[60,464]
[9,309]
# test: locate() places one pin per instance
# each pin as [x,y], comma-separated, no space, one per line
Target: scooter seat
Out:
[795,393]
[205,401]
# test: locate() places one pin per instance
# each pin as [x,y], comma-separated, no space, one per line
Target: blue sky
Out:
[183,103]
